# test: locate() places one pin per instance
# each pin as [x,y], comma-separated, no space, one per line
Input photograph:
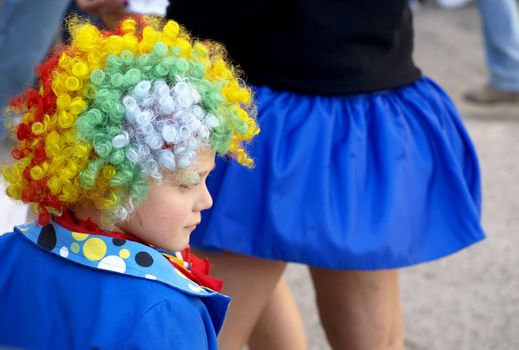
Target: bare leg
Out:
[249,282]
[280,326]
[360,309]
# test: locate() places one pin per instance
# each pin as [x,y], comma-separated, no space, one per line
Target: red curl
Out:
[39,154]
[17,154]
[22,132]
[44,217]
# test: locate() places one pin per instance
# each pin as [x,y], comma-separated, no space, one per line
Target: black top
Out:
[317,46]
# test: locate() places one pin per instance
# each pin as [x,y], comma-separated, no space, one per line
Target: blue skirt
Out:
[364,182]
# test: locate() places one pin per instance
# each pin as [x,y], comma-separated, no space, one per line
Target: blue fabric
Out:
[51,300]
[501,29]
[371,181]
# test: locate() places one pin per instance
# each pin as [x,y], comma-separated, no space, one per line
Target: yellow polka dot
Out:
[124,253]
[94,249]
[169,256]
[79,236]
[74,247]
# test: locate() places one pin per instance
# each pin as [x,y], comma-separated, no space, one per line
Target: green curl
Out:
[139,190]
[113,64]
[144,62]
[117,157]
[123,178]
[127,57]
[103,149]
[160,50]
[132,77]
[97,77]
[87,177]
[116,79]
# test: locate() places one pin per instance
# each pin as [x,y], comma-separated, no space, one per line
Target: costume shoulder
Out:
[7,235]
[124,257]
[7,240]
[179,323]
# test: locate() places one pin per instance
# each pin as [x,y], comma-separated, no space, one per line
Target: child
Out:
[364,165]
[113,152]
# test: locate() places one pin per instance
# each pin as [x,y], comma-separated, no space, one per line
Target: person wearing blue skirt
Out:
[363,165]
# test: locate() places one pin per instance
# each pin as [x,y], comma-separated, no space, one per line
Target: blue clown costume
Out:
[61,289]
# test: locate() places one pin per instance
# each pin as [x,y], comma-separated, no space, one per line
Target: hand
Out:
[109,11]
[98,7]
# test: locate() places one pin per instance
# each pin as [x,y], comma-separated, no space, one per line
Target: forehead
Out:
[203,164]
[204,161]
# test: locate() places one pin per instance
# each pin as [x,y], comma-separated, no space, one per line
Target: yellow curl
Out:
[54,184]
[63,101]
[85,37]
[129,26]
[108,172]
[37,172]
[66,120]
[38,128]
[80,70]
[65,61]
[77,106]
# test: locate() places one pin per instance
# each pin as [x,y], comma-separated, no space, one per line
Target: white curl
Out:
[160,115]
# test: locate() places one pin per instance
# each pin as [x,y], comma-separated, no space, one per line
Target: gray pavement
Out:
[468,301]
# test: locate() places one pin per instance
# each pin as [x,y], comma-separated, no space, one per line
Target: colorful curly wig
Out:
[117,109]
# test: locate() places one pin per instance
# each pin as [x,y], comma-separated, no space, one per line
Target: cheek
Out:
[159,227]
[166,211]
[168,218]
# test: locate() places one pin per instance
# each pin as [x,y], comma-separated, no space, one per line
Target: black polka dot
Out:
[143,259]
[47,238]
[118,242]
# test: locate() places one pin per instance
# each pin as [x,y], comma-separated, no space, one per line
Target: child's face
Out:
[172,210]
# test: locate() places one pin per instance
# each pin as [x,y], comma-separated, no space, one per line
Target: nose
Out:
[205,201]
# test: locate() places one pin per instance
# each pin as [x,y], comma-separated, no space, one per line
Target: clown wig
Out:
[116,110]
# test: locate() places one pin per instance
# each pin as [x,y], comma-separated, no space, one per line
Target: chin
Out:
[178,246]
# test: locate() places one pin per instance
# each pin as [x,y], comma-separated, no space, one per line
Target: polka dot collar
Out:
[111,254]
